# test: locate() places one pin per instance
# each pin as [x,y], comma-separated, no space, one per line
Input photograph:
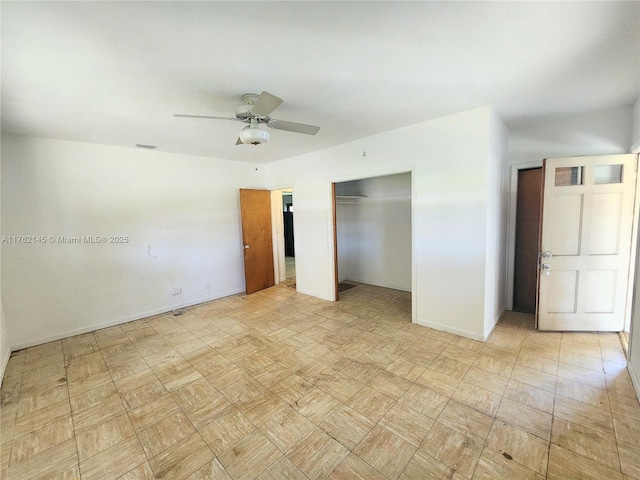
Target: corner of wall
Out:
[635,134]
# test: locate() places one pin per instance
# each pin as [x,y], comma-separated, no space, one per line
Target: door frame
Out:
[511,237]
[511,232]
[333,234]
[277,234]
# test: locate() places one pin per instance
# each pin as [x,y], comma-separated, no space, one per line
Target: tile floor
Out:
[279,385]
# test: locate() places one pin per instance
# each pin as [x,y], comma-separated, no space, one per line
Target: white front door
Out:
[587,220]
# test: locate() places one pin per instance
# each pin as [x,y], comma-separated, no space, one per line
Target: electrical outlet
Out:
[176,291]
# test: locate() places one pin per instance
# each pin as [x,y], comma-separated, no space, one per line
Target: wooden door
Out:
[525,276]
[255,208]
[587,220]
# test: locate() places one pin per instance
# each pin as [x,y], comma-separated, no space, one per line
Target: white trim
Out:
[511,229]
[131,318]
[635,379]
[455,331]
[632,256]
[5,362]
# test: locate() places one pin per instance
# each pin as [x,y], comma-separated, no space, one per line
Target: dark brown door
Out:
[255,208]
[527,237]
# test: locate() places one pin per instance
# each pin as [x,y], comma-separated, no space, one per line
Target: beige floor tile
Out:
[354,468]
[519,446]
[316,405]
[492,466]
[425,467]
[93,416]
[143,394]
[41,396]
[152,412]
[452,448]
[586,442]
[596,397]
[466,420]
[182,459]
[371,403]
[450,367]
[40,440]
[627,429]
[408,424]
[389,384]
[114,400]
[317,455]
[629,459]
[424,400]
[167,432]
[535,378]
[292,388]
[494,365]
[347,426]
[40,418]
[525,418]
[243,390]
[487,380]
[405,369]
[477,398]
[114,461]
[193,392]
[564,464]
[212,470]
[204,411]
[141,472]
[536,361]
[287,428]
[583,414]
[531,396]
[95,440]
[225,430]
[262,408]
[46,464]
[282,469]
[362,371]
[385,451]
[247,459]
[582,375]
[438,382]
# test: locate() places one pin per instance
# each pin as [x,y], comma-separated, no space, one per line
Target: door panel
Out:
[587,221]
[255,208]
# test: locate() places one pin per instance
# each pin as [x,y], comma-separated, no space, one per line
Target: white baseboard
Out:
[3,366]
[489,329]
[455,331]
[111,323]
[635,379]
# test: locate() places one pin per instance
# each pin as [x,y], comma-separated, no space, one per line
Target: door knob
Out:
[547,255]
[245,246]
[546,268]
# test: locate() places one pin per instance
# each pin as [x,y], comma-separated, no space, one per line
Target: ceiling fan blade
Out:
[266,104]
[207,116]
[293,127]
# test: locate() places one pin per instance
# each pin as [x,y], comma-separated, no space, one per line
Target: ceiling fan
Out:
[256,111]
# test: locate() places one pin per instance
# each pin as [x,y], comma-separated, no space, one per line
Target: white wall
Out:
[5,342]
[634,341]
[593,133]
[450,160]
[180,214]
[497,224]
[374,235]
[635,136]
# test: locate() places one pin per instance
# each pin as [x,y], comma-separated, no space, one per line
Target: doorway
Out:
[528,203]
[283,236]
[373,232]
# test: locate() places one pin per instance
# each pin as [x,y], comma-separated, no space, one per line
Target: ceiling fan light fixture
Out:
[254,135]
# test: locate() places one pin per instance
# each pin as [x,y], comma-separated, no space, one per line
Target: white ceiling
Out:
[116,72]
